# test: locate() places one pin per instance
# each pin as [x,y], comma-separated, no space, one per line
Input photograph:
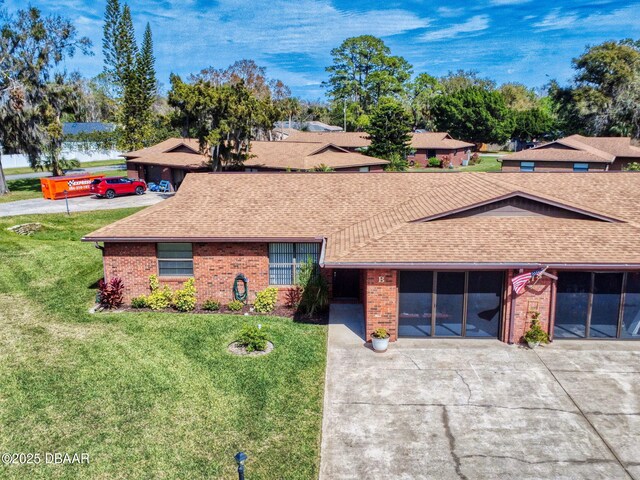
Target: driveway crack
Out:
[466,385]
[587,461]
[452,443]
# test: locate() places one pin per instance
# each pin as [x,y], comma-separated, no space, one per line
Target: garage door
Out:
[450,304]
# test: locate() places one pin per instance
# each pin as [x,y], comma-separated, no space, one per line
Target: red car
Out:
[109,187]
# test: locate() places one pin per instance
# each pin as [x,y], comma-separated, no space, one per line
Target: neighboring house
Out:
[424,145]
[427,255]
[304,156]
[575,153]
[170,160]
[311,126]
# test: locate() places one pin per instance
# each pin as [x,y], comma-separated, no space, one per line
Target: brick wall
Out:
[536,297]
[215,266]
[456,156]
[381,301]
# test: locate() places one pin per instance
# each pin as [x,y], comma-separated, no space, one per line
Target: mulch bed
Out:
[320,318]
[238,349]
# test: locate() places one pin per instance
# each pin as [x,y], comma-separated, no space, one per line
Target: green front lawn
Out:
[95,163]
[146,395]
[27,188]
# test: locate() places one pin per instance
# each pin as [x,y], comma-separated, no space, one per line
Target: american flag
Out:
[523,279]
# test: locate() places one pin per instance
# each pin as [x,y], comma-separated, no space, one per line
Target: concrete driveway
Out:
[79,204]
[476,409]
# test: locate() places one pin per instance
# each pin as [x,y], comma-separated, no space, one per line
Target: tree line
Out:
[368,89]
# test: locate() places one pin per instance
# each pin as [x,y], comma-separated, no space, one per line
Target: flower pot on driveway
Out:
[380,344]
[533,345]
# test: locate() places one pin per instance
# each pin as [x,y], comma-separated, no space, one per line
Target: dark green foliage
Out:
[315,289]
[211,305]
[253,338]
[389,129]
[397,163]
[434,162]
[364,71]
[532,123]
[633,167]
[474,114]
[139,302]
[235,305]
[110,45]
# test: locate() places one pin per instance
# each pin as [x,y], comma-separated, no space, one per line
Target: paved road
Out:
[69,172]
[478,409]
[79,204]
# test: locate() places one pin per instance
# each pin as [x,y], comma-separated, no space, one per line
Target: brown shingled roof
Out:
[577,148]
[375,219]
[305,156]
[428,140]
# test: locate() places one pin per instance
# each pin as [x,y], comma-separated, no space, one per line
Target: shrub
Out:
[475,159]
[253,338]
[380,333]
[139,302]
[160,296]
[111,293]
[536,333]
[184,299]
[315,289]
[266,300]
[446,161]
[632,167]
[397,163]
[211,305]
[434,162]
[293,297]
[235,305]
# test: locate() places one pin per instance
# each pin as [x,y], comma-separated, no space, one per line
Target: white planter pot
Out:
[465,163]
[533,345]
[380,344]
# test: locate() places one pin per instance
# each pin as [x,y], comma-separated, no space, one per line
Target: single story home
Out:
[172,159]
[306,156]
[169,160]
[574,153]
[427,254]
[424,145]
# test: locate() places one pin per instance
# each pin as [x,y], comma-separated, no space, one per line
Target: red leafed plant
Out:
[446,161]
[293,297]
[111,293]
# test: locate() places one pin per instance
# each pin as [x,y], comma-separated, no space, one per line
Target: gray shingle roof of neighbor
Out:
[74,128]
[310,126]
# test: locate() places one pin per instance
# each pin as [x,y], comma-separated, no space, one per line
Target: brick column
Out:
[381,301]
[536,297]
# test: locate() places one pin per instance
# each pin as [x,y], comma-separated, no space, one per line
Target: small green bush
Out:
[184,299]
[266,300]
[139,302]
[380,333]
[536,333]
[211,305]
[235,305]
[434,162]
[160,296]
[253,338]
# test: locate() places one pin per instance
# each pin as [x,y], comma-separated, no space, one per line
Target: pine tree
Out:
[127,73]
[126,48]
[146,73]
[112,15]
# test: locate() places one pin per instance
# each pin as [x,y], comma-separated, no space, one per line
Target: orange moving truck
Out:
[75,185]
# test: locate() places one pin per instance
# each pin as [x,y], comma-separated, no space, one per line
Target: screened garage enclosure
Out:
[450,304]
[597,305]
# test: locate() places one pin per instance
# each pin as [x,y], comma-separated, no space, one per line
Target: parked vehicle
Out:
[109,187]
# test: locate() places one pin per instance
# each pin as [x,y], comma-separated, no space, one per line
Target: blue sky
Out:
[527,41]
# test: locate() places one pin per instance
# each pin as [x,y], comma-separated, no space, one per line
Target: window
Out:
[580,167]
[175,259]
[364,169]
[285,260]
[527,166]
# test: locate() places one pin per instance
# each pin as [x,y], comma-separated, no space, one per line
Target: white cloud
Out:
[557,19]
[508,2]
[473,25]
[447,12]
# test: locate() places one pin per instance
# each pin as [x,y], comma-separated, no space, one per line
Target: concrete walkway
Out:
[478,409]
[74,171]
[79,204]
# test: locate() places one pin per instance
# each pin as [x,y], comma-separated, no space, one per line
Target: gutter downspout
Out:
[323,249]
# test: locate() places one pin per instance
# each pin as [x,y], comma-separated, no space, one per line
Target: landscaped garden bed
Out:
[148,393]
